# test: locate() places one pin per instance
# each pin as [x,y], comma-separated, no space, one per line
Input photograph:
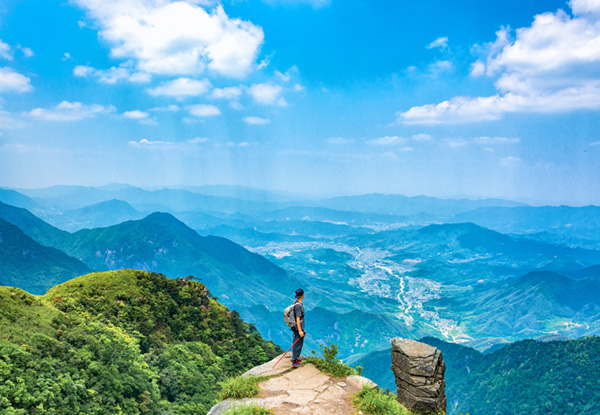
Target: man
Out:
[299,332]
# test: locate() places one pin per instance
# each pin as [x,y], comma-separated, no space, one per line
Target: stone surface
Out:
[300,391]
[269,368]
[419,372]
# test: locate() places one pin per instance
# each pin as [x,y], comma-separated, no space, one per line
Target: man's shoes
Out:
[296,363]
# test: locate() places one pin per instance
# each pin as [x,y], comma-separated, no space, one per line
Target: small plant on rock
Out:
[251,409]
[375,402]
[329,363]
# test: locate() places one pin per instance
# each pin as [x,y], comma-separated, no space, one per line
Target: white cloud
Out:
[595,143]
[386,141]
[125,72]
[440,42]
[231,92]
[550,66]
[5,52]
[8,121]
[181,87]
[13,81]
[339,140]
[67,56]
[256,120]
[244,144]
[168,145]
[204,110]
[136,115]
[27,52]
[70,111]
[510,161]
[455,142]
[267,94]
[422,137]
[496,140]
[168,108]
[176,38]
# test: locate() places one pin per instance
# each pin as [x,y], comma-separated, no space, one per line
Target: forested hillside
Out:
[120,342]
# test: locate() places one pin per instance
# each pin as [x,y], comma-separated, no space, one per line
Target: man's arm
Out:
[300,332]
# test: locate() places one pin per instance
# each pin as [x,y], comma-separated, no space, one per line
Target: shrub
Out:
[240,387]
[376,402]
[251,409]
[329,364]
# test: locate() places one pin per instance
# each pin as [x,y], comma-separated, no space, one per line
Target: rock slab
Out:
[419,372]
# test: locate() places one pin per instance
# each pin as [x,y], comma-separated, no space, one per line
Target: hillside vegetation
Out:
[523,378]
[121,342]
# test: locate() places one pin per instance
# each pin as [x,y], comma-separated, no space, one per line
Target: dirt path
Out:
[300,391]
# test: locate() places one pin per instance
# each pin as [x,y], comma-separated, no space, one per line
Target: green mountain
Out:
[539,302]
[162,243]
[14,198]
[33,226]
[122,342]
[523,378]
[31,266]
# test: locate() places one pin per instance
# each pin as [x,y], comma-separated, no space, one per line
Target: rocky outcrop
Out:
[419,372]
[299,391]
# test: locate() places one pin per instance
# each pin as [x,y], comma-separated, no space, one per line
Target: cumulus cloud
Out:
[455,142]
[204,110]
[256,120]
[440,42]
[176,38]
[510,161]
[70,111]
[550,66]
[123,72]
[13,81]
[181,87]
[136,115]
[5,52]
[267,94]
[166,145]
[231,92]
[168,108]
[27,52]
[386,141]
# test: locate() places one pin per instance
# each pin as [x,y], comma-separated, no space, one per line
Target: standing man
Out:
[299,332]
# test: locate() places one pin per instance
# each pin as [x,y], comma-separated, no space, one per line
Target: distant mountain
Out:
[243,192]
[295,213]
[523,378]
[33,226]
[33,267]
[162,243]
[310,228]
[98,215]
[466,253]
[573,226]
[251,237]
[14,198]
[408,206]
[539,302]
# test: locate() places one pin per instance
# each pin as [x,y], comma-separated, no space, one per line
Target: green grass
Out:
[251,409]
[375,402]
[22,314]
[329,364]
[240,387]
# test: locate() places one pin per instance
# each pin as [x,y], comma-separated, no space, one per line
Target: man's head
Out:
[299,293]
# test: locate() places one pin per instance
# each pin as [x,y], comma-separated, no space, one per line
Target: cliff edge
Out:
[305,390]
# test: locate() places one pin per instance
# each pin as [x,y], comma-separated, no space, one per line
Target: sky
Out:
[322,97]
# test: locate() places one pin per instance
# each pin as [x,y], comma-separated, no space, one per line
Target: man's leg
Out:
[295,350]
[297,347]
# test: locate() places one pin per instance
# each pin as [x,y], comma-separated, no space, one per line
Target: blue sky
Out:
[442,98]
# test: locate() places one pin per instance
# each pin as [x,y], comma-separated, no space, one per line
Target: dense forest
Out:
[121,342]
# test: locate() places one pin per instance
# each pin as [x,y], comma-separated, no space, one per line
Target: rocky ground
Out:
[305,390]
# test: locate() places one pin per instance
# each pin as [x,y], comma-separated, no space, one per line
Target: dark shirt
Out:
[299,312]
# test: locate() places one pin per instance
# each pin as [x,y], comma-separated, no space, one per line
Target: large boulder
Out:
[419,372]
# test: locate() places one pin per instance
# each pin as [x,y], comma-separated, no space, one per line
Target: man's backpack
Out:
[289,316]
